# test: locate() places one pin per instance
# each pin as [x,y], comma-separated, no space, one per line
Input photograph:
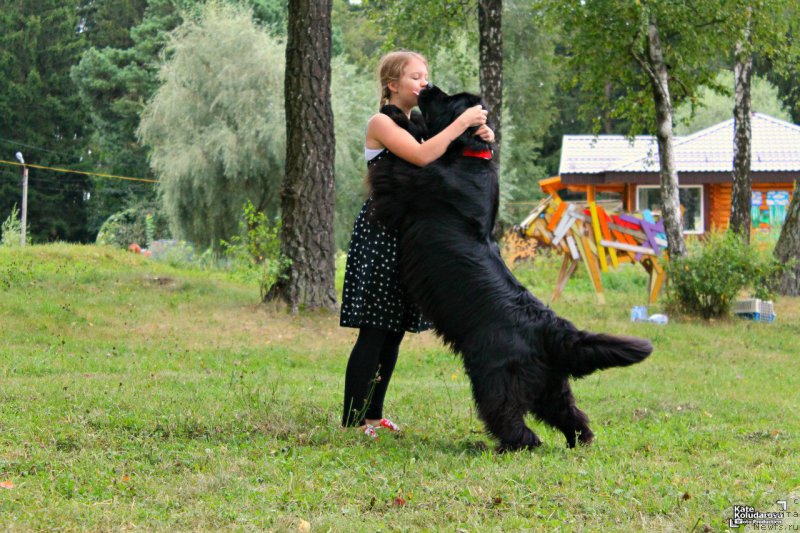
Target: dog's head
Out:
[440,109]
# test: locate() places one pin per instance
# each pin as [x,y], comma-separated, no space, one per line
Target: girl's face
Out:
[407,88]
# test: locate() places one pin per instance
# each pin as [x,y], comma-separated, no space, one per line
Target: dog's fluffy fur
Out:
[517,352]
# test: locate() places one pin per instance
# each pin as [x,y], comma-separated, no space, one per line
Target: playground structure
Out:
[598,239]
[628,169]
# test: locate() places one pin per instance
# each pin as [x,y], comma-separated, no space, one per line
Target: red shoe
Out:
[369,431]
[388,424]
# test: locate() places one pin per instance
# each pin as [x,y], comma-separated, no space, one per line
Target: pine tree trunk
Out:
[742,181]
[670,199]
[307,195]
[491,64]
[788,247]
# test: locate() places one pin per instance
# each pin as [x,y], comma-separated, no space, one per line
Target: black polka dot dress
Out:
[373,295]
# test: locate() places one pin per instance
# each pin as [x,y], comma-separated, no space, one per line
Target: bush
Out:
[709,278]
[255,253]
[140,224]
[11,229]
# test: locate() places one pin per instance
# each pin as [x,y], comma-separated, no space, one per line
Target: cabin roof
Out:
[775,148]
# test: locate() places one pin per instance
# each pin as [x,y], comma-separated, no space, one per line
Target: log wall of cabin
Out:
[716,199]
[719,201]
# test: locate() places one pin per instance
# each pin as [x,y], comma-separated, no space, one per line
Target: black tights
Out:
[368,373]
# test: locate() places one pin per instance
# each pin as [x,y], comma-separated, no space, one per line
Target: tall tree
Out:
[41,115]
[115,78]
[490,17]
[530,79]
[787,249]
[308,194]
[657,54]
[107,23]
[742,130]
[760,29]
[424,25]
[652,62]
[215,126]
[118,74]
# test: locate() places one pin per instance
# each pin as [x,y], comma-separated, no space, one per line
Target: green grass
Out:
[138,395]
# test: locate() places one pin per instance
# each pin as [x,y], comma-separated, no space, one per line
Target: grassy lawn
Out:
[138,395]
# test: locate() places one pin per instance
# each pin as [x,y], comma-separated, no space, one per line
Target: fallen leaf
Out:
[126,478]
[399,502]
[686,496]
[304,527]
[6,484]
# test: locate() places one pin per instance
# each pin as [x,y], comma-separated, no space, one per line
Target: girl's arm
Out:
[382,130]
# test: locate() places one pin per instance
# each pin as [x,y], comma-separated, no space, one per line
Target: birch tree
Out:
[762,29]
[650,55]
[424,25]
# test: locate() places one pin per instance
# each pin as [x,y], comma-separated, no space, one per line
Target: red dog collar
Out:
[480,154]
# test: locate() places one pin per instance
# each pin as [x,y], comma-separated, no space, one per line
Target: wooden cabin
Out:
[614,166]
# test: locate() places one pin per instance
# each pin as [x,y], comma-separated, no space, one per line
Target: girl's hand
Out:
[485,133]
[474,116]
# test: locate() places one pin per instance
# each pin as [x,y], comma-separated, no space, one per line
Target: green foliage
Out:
[356,34]
[355,95]
[423,25]
[115,77]
[707,281]
[775,47]
[216,125]
[140,224]
[118,74]
[607,41]
[11,230]
[41,115]
[256,252]
[530,79]
[714,107]
[107,23]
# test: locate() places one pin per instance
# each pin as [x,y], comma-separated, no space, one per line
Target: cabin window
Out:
[691,198]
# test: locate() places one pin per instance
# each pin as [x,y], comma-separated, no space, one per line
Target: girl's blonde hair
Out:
[391,68]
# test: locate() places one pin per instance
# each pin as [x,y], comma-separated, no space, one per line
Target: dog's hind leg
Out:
[557,407]
[502,412]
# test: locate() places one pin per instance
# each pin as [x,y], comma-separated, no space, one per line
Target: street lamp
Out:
[24,197]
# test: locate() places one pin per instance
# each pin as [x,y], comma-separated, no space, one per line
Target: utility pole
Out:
[24,198]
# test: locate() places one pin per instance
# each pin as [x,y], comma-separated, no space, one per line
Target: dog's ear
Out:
[463,101]
[435,108]
[460,103]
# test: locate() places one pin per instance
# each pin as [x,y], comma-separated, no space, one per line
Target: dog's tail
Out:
[580,353]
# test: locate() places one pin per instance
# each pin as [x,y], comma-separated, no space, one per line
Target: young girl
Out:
[374,300]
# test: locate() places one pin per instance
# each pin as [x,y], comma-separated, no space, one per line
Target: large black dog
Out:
[517,352]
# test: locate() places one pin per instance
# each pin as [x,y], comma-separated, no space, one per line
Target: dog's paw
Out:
[583,436]
[529,440]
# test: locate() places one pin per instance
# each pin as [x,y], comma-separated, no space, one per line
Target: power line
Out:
[98,174]
[9,141]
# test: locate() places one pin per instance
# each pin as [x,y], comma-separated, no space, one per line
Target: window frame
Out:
[702,228]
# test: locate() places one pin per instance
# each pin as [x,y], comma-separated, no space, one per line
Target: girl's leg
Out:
[389,351]
[360,374]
